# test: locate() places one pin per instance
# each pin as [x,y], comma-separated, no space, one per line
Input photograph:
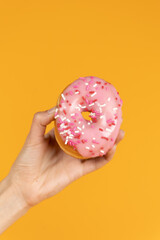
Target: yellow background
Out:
[45,45]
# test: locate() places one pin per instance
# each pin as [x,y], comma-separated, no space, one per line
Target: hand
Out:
[42,169]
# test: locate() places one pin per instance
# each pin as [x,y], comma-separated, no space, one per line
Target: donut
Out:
[83,137]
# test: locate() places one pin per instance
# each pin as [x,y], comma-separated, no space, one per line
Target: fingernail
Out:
[51,111]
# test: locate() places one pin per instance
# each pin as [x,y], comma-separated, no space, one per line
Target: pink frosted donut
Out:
[84,138]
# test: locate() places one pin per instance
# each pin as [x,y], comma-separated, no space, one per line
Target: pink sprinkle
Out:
[75,86]
[109,120]
[112,139]
[71,93]
[94,141]
[87,87]
[106,88]
[62,101]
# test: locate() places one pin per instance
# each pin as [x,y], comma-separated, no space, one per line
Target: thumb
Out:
[39,124]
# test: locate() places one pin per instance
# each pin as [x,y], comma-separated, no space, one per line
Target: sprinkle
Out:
[71,93]
[86,83]
[63,96]
[76,131]
[104,138]
[93,146]
[87,147]
[93,94]
[83,127]
[77,92]
[68,120]
[103,105]
[66,141]
[56,110]
[82,106]
[95,85]
[79,122]
[91,104]
[78,108]
[94,141]
[64,111]
[114,109]
[72,114]
[84,140]
[100,129]
[94,138]
[101,151]
[109,130]
[109,99]
[101,116]
[79,128]
[75,86]
[82,132]
[89,123]
[64,118]
[56,116]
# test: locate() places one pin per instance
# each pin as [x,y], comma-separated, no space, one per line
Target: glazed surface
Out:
[94,137]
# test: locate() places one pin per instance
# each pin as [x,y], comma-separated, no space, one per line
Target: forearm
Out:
[12,205]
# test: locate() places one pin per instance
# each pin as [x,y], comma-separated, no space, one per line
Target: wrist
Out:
[8,188]
[12,204]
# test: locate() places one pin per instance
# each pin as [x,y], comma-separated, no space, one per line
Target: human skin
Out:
[41,170]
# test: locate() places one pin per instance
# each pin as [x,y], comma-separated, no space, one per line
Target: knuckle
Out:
[37,116]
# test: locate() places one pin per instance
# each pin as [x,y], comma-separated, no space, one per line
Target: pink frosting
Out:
[91,138]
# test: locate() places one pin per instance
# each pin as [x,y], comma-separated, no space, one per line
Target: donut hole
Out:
[86,116]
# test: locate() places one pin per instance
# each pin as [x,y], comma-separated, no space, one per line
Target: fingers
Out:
[120,136]
[96,163]
[39,124]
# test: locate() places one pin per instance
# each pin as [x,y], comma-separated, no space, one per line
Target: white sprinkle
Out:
[79,128]
[100,109]
[92,114]
[86,83]
[76,131]
[78,108]
[114,109]
[101,151]
[63,118]
[72,114]
[66,141]
[82,132]
[83,127]
[89,123]
[82,106]
[93,94]
[79,122]
[87,147]
[68,120]
[56,116]
[101,116]
[94,138]
[70,137]
[76,92]
[93,146]
[95,85]
[56,110]
[62,124]
[103,105]
[109,99]
[63,132]
[109,130]
[91,104]
[63,96]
